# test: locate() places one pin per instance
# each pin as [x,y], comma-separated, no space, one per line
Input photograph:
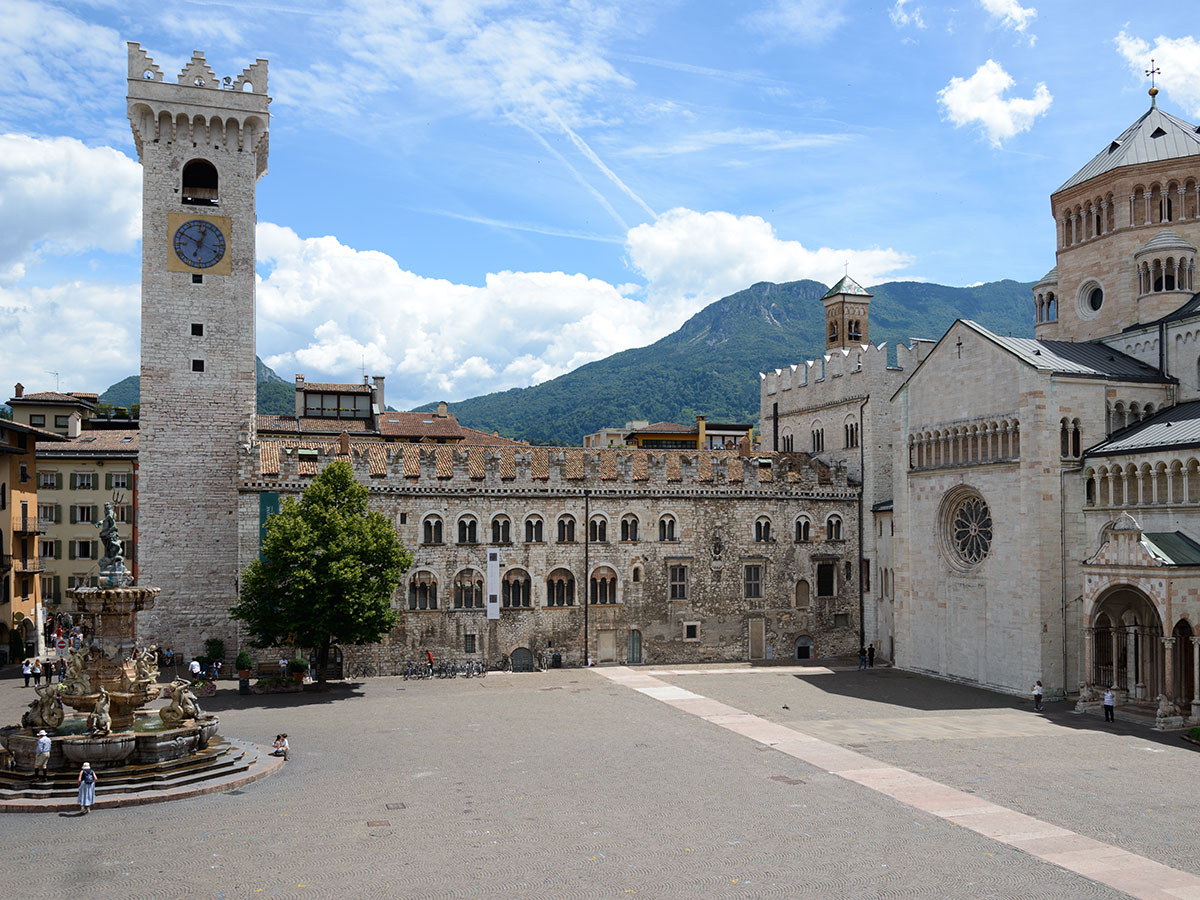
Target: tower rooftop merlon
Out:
[229,113]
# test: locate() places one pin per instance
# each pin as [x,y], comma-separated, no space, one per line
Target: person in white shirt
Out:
[1037,697]
[1110,702]
[283,664]
[194,668]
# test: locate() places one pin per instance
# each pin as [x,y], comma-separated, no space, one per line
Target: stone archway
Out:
[1184,683]
[1126,648]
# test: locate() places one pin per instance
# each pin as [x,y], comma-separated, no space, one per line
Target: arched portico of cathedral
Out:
[1140,607]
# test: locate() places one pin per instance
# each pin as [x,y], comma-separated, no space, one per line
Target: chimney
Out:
[700,432]
[441,409]
[74,422]
[18,390]
[299,396]
[377,391]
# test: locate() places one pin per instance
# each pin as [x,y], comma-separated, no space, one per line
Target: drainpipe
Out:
[862,491]
[587,539]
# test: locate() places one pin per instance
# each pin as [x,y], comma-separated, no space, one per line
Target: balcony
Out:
[28,525]
[28,566]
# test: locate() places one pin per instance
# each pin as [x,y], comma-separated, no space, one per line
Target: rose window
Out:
[971,530]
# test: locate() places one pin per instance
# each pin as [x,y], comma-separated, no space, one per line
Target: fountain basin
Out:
[208,726]
[160,746]
[107,750]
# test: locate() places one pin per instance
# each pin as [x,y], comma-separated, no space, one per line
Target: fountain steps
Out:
[224,765]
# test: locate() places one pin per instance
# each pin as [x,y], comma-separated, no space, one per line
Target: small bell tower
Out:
[846,306]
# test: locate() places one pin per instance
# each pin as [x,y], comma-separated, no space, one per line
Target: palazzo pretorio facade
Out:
[986,508]
[1035,502]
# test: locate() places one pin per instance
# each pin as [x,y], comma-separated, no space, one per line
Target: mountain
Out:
[275,395]
[710,365]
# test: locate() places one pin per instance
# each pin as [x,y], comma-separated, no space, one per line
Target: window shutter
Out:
[73,481]
[95,514]
[58,480]
[57,513]
[108,481]
[56,594]
[72,508]
[70,549]
[58,549]
[95,544]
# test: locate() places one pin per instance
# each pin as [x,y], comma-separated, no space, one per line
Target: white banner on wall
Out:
[493,584]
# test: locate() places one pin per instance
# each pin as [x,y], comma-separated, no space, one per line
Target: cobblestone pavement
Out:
[566,785]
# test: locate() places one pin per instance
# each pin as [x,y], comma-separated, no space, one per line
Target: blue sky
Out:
[472,195]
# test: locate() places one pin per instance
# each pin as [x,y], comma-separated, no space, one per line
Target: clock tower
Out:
[202,143]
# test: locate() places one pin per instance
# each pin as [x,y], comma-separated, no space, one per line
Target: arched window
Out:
[818,438]
[762,530]
[629,528]
[468,530]
[833,330]
[802,530]
[1051,308]
[432,530]
[666,528]
[850,433]
[598,530]
[854,329]
[200,184]
[604,586]
[422,591]
[803,595]
[560,588]
[468,590]
[833,528]
[501,530]
[1064,438]
[515,589]
[566,530]
[1076,439]
[637,573]
[533,530]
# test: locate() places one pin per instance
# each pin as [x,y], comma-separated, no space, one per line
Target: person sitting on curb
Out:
[280,747]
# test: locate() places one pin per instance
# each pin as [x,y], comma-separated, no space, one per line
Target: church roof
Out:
[1173,547]
[1087,359]
[1154,137]
[847,286]
[1175,427]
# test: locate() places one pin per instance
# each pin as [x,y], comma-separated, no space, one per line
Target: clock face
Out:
[199,244]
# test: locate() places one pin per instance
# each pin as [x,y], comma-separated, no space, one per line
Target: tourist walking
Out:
[27,671]
[871,657]
[1110,702]
[194,669]
[1037,696]
[41,755]
[862,657]
[283,664]
[37,672]
[87,788]
[60,669]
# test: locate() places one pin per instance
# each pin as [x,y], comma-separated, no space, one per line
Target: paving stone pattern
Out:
[552,785]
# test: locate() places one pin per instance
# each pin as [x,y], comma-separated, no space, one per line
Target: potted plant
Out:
[298,668]
[244,664]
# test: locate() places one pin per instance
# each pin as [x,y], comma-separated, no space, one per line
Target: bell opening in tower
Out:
[200,183]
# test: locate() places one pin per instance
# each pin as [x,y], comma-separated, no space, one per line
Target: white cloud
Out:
[1010,13]
[803,21]
[690,258]
[58,195]
[748,138]
[88,332]
[901,15]
[979,99]
[1179,59]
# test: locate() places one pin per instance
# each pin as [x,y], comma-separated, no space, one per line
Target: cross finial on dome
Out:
[1150,73]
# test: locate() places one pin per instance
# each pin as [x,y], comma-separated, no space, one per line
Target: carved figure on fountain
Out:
[146,666]
[46,711]
[113,558]
[183,704]
[77,680]
[99,722]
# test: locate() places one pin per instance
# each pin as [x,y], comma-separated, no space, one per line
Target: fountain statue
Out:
[183,704]
[46,711]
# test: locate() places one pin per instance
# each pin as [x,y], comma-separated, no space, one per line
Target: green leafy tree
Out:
[327,570]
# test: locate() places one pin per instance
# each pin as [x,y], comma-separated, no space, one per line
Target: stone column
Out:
[1182,208]
[1116,655]
[1134,685]
[1146,194]
[1104,217]
[1089,641]
[1169,667]
[1195,678]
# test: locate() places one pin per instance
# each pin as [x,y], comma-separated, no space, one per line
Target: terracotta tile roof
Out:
[508,464]
[475,463]
[308,465]
[765,474]
[704,470]
[276,423]
[608,465]
[733,466]
[573,467]
[445,462]
[539,463]
[641,465]
[418,425]
[377,459]
[673,467]
[109,441]
[86,395]
[331,387]
[268,458]
[485,439]
[412,462]
[320,425]
[53,397]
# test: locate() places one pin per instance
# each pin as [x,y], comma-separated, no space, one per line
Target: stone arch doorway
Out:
[804,647]
[522,660]
[1127,645]
[1185,662]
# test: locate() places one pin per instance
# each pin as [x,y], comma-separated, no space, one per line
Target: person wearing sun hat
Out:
[41,758]
[87,788]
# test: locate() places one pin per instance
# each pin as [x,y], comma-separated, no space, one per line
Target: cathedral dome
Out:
[1165,241]
[1155,137]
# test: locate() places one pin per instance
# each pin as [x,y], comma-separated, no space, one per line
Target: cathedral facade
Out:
[1042,494]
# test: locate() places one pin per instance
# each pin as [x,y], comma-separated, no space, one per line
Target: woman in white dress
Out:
[87,788]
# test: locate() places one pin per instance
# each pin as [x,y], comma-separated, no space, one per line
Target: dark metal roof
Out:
[1154,137]
[1173,546]
[1174,427]
[1189,309]
[1089,359]
[847,286]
